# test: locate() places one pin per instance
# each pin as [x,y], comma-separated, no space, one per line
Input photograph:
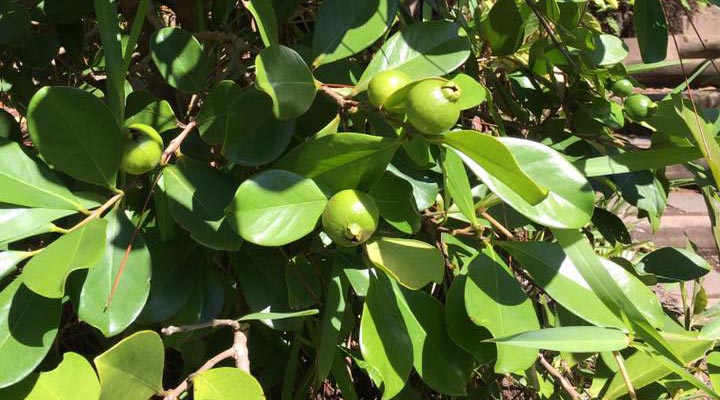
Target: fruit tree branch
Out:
[174,145]
[337,97]
[557,375]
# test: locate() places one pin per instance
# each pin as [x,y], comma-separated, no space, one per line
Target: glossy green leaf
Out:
[394,198]
[495,300]
[31,183]
[552,270]
[242,121]
[179,58]
[144,108]
[637,160]
[76,133]
[672,264]
[458,185]
[132,369]
[9,259]
[332,318]
[133,285]
[461,329]
[282,74]
[345,28]
[341,161]
[504,27]
[175,267]
[424,318]
[425,187]
[198,195]
[421,50]
[14,22]
[276,207]
[268,316]
[609,50]
[226,383]
[572,339]
[18,222]
[570,200]
[495,161]
[45,274]
[73,378]
[651,30]
[384,341]
[410,262]
[473,92]
[265,20]
[25,336]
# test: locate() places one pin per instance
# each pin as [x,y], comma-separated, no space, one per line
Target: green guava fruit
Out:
[383,85]
[638,106]
[432,106]
[350,218]
[622,88]
[143,149]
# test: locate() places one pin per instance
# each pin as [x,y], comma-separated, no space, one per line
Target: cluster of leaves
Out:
[499,266]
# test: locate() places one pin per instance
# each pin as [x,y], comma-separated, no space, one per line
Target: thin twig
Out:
[171,330]
[174,145]
[98,211]
[497,225]
[625,376]
[557,375]
[337,97]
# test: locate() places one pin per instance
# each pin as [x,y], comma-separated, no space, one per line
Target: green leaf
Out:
[14,22]
[108,24]
[281,73]
[226,383]
[384,341]
[504,27]
[133,368]
[473,92]
[28,326]
[495,300]
[133,285]
[341,161]
[264,15]
[174,271]
[411,262]
[495,161]
[31,183]
[333,311]
[609,50]
[672,264]
[179,58]
[651,30]
[9,127]
[242,121]
[461,329]
[394,198]
[572,339]
[76,133]
[303,283]
[9,260]
[143,108]
[198,195]
[344,28]
[440,363]
[421,50]
[270,316]
[570,200]
[73,378]
[458,186]
[637,160]
[557,274]
[276,207]
[18,222]
[45,274]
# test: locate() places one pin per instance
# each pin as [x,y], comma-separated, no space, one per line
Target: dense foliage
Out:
[342,199]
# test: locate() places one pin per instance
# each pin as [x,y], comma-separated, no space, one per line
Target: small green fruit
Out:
[638,106]
[384,84]
[350,218]
[432,106]
[143,149]
[622,88]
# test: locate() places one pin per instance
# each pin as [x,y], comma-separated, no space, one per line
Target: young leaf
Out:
[410,262]
[198,195]
[275,207]
[495,300]
[421,50]
[133,285]
[227,384]
[73,378]
[345,28]
[76,133]
[133,368]
[573,339]
[45,274]
[179,58]
[28,326]
[282,74]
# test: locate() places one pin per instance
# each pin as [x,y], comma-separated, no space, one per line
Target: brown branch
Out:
[238,351]
[337,97]
[174,145]
[557,375]
[98,212]
[497,225]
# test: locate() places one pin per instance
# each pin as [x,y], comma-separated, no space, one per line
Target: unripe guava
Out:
[622,88]
[383,85]
[638,106]
[432,106]
[350,218]
[143,149]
